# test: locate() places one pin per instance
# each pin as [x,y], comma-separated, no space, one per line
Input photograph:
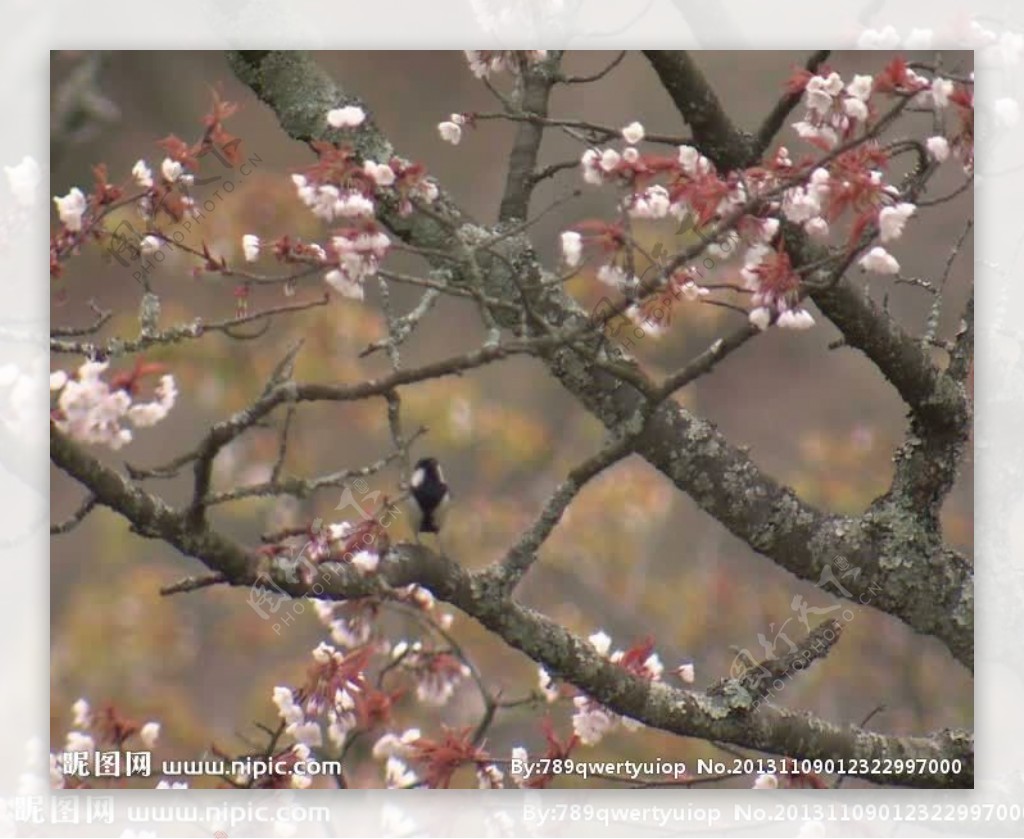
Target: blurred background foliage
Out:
[633,556]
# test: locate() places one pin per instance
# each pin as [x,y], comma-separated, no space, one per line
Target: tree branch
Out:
[905,569]
[940,416]
[777,116]
[174,334]
[75,518]
[900,358]
[193,584]
[962,357]
[760,679]
[511,570]
[713,131]
[688,713]
[600,74]
[535,89]
[149,516]
[102,316]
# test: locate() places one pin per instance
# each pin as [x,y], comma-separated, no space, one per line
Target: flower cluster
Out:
[335,696]
[436,674]
[328,202]
[106,730]
[438,760]
[743,211]
[451,129]
[769,274]
[350,116]
[572,248]
[92,410]
[338,696]
[693,189]
[592,721]
[556,751]
[358,545]
[358,253]
[343,188]
[653,313]
[395,750]
[483,63]
[834,110]
[286,250]
[71,208]
[164,193]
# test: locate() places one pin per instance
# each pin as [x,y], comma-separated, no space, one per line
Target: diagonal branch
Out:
[102,316]
[904,568]
[777,116]
[713,132]
[75,518]
[594,77]
[735,719]
[760,679]
[148,515]
[940,409]
[511,570]
[897,354]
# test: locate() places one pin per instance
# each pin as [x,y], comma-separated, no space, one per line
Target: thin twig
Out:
[935,312]
[102,316]
[194,583]
[69,524]
[759,680]
[595,76]
[182,332]
[598,132]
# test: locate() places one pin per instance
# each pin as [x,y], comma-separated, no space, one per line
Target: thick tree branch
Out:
[148,515]
[736,719]
[905,569]
[535,89]
[940,410]
[899,356]
[713,132]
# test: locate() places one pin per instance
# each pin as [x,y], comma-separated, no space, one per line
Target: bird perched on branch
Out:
[430,496]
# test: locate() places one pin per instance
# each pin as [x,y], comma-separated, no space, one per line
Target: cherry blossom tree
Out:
[790,232]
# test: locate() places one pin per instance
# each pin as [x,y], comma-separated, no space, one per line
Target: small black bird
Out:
[431,495]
